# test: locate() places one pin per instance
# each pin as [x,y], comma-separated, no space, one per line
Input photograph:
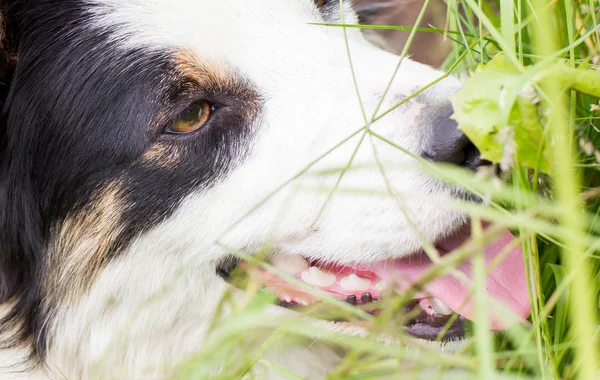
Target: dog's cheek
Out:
[141,302]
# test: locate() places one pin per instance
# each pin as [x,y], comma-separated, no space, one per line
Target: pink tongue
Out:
[506,284]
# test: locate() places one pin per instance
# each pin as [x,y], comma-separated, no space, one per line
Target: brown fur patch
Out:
[161,155]
[81,244]
[203,72]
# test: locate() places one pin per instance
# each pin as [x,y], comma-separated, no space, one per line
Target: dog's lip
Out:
[452,329]
[417,319]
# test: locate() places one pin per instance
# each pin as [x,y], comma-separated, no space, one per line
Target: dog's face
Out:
[145,137]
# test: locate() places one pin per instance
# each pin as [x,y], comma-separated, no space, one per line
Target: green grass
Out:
[555,215]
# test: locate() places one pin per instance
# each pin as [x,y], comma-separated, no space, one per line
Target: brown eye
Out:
[192,118]
[320,3]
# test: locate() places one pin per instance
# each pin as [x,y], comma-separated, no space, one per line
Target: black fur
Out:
[79,114]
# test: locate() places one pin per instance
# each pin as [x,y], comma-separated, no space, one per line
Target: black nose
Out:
[446,143]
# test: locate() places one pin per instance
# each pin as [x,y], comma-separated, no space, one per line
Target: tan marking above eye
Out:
[192,118]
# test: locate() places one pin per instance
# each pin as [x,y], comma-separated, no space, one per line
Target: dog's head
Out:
[144,137]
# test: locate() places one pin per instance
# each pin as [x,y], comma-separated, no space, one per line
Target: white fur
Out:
[122,329]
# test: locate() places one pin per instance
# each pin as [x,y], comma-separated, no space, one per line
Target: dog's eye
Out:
[192,118]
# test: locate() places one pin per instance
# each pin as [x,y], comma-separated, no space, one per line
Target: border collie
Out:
[140,138]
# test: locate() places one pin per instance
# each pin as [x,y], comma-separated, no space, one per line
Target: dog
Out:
[141,139]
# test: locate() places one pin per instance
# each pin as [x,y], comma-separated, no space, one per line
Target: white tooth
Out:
[314,276]
[290,265]
[302,301]
[440,307]
[353,282]
[381,286]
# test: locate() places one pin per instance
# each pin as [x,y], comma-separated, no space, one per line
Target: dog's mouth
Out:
[439,304]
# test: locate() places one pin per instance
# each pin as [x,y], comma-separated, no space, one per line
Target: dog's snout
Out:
[446,143]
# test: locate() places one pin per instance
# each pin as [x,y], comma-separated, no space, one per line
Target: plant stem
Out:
[567,184]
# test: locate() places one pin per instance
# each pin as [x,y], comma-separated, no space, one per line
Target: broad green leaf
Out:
[495,90]
[498,108]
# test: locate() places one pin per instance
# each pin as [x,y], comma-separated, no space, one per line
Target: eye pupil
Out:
[192,118]
[191,113]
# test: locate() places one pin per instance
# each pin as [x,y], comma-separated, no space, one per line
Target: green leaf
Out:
[561,315]
[499,110]
[500,118]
